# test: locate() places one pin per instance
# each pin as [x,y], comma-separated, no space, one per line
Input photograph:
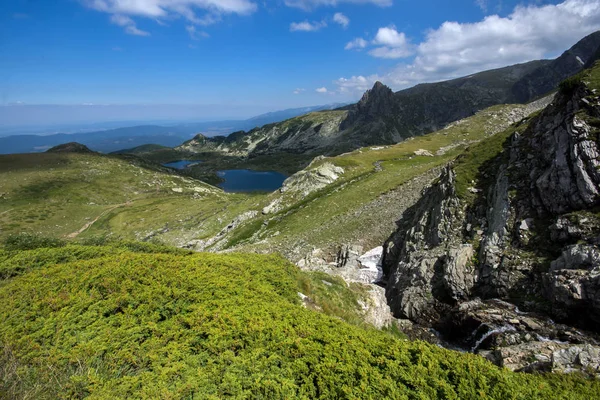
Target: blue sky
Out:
[251,56]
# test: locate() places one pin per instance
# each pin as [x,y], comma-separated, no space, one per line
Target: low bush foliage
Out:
[106,322]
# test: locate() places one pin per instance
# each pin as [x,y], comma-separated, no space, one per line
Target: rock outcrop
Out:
[526,233]
[547,77]
[303,183]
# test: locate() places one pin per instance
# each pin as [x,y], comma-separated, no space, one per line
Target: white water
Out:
[510,305]
[502,329]
[546,339]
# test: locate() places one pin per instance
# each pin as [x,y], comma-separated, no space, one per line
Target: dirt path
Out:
[92,222]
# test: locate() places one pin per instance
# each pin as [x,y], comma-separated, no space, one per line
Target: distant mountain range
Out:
[110,140]
[385,117]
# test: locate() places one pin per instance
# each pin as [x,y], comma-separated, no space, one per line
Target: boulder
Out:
[577,358]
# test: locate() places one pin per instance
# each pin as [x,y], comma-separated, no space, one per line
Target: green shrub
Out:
[107,323]
[29,241]
[569,85]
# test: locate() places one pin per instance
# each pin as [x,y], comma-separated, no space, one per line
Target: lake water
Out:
[181,164]
[244,180]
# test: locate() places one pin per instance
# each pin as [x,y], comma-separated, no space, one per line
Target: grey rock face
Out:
[375,309]
[303,183]
[374,103]
[577,358]
[459,274]
[573,284]
[422,275]
[348,255]
[564,230]
[493,243]
[533,208]
[309,180]
[570,178]
[547,77]
[577,257]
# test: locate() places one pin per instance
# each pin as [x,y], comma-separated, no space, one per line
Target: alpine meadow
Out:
[300,200]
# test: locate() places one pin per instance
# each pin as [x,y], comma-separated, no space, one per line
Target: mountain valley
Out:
[461,214]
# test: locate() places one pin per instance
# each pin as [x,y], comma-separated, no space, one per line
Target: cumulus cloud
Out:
[389,36]
[356,84]
[457,49]
[307,26]
[321,90]
[311,4]
[210,10]
[341,19]
[390,52]
[299,90]
[389,44]
[393,44]
[358,43]
[128,24]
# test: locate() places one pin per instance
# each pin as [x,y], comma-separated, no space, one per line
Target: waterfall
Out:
[546,339]
[502,329]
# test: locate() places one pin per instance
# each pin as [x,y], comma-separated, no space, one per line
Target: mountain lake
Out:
[245,180]
[181,164]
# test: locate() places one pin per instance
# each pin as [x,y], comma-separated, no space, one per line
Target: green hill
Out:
[141,321]
[74,195]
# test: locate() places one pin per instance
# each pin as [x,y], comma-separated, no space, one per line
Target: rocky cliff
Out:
[514,218]
[547,77]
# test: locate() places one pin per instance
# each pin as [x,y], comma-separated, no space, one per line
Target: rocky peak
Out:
[376,103]
[200,138]
[380,94]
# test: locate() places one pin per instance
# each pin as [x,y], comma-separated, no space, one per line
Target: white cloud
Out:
[128,24]
[389,36]
[299,90]
[393,44]
[390,52]
[194,33]
[358,43]
[356,84]
[321,90]
[158,10]
[457,49]
[307,26]
[164,8]
[390,42]
[341,19]
[311,4]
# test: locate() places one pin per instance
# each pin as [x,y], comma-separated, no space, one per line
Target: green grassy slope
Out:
[64,195]
[364,203]
[126,321]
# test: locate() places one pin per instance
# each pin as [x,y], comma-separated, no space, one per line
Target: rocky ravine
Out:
[490,273]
